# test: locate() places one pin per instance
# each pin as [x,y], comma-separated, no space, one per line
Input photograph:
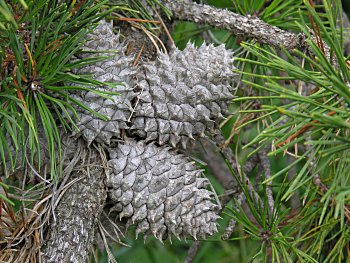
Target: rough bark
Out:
[247,26]
[71,235]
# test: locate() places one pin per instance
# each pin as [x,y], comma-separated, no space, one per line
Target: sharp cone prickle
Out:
[169,102]
[160,192]
[173,100]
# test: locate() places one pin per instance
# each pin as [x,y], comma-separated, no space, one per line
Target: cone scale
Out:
[162,105]
[160,192]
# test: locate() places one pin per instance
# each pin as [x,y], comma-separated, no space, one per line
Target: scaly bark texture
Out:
[247,26]
[71,235]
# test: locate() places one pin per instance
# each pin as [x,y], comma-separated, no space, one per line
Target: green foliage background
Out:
[34,36]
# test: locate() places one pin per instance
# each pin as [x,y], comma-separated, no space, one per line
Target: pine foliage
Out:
[35,94]
[64,72]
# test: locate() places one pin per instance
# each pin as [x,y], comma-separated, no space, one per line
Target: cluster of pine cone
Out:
[161,106]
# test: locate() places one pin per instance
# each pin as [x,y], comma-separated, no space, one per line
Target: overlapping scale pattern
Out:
[172,100]
[160,191]
[118,70]
[184,94]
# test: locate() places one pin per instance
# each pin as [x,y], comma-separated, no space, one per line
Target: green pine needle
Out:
[36,79]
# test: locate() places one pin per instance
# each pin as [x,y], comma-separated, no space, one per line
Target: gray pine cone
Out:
[160,191]
[118,70]
[172,100]
[184,94]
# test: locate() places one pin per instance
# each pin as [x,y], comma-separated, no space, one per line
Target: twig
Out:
[266,168]
[232,223]
[346,28]
[229,229]
[221,172]
[192,252]
[247,26]
[227,153]
[217,165]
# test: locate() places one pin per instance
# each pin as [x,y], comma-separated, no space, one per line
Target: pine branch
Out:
[266,168]
[77,209]
[228,154]
[71,234]
[217,165]
[192,252]
[247,26]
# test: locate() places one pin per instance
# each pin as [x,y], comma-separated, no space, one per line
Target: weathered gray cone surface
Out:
[184,94]
[172,100]
[117,70]
[160,191]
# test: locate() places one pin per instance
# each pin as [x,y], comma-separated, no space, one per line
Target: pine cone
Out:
[118,70]
[184,94]
[160,192]
[174,99]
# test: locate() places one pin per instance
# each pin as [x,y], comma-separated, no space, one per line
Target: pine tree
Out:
[107,121]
